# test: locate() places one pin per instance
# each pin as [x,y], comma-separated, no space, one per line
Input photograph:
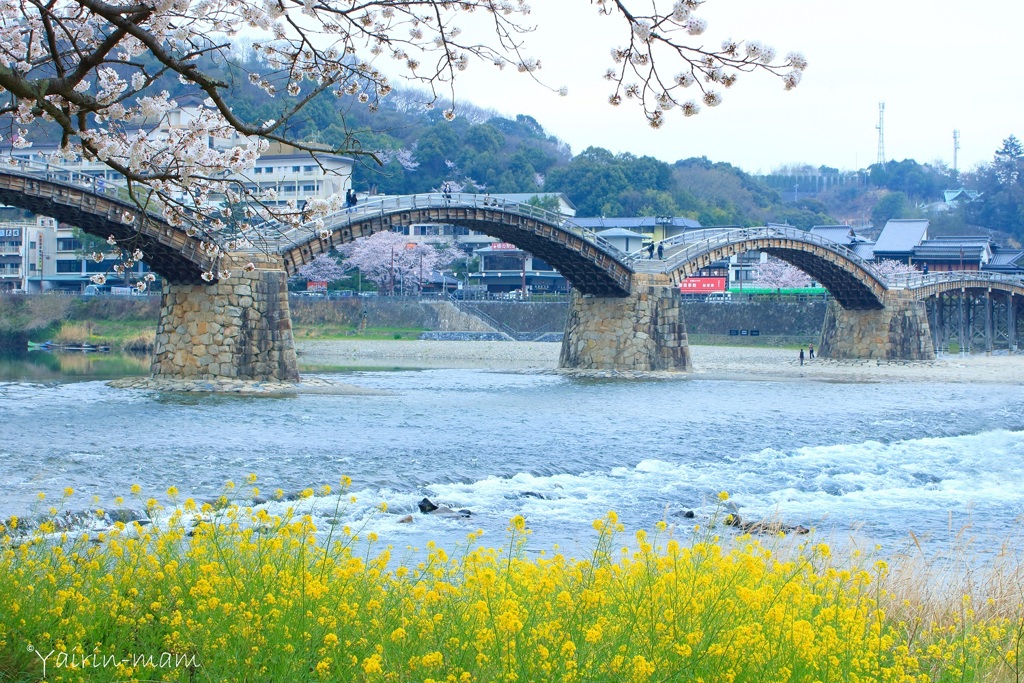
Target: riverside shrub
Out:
[230,592]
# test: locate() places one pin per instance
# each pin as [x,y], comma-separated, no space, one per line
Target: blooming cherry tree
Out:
[889,268]
[92,67]
[323,268]
[778,274]
[388,258]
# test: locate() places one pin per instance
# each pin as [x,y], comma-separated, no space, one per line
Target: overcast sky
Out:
[938,65]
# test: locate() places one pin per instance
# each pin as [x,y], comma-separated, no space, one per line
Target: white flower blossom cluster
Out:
[658,37]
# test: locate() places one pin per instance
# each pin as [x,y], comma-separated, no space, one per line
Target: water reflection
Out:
[45,366]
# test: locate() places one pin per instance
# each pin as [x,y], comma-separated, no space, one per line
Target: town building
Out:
[907,241]
[504,269]
[653,228]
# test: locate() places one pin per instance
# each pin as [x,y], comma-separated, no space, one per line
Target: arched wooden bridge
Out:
[254,314]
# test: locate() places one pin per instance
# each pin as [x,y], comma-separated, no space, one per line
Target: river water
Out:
[867,461]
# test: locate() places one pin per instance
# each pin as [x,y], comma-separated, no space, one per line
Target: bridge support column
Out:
[899,331]
[238,328]
[1011,322]
[644,331]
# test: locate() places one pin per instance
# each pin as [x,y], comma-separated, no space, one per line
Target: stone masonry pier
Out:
[237,328]
[644,331]
[898,331]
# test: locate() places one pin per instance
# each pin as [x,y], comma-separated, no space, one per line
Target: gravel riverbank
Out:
[730,362]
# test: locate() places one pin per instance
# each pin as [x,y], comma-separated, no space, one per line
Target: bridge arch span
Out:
[591,265]
[921,286]
[848,278]
[97,208]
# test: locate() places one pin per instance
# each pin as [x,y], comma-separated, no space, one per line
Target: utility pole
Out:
[881,133]
[956,148]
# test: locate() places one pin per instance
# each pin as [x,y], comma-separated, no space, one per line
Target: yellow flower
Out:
[371,665]
[346,481]
[136,489]
[434,658]
[251,479]
[68,492]
[518,522]
[172,492]
[383,507]
[41,496]
[723,496]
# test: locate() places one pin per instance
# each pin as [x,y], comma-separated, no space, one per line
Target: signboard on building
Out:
[316,285]
[702,285]
[10,232]
[503,246]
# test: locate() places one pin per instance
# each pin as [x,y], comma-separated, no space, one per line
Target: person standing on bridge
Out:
[650,250]
[661,251]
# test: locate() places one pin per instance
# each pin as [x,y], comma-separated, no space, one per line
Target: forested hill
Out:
[481,151]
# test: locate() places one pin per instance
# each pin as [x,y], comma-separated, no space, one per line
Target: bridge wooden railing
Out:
[919,280]
[289,238]
[62,175]
[709,239]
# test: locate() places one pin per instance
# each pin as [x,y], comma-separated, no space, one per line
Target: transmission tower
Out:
[956,148]
[881,133]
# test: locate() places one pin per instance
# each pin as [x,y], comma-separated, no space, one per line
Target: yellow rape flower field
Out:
[228,592]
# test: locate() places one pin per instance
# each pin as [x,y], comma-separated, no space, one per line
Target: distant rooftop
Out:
[901,235]
[619,232]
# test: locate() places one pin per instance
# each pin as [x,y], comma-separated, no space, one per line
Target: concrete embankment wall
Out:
[769,318]
[789,321]
[386,312]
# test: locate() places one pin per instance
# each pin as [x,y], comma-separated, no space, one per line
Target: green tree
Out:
[892,205]
[1001,204]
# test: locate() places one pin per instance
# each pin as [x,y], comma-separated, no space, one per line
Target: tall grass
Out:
[74,333]
[229,592]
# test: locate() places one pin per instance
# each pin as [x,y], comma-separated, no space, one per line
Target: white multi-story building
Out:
[42,256]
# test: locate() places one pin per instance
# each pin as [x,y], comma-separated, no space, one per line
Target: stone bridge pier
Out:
[642,331]
[897,331]
[237,328]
